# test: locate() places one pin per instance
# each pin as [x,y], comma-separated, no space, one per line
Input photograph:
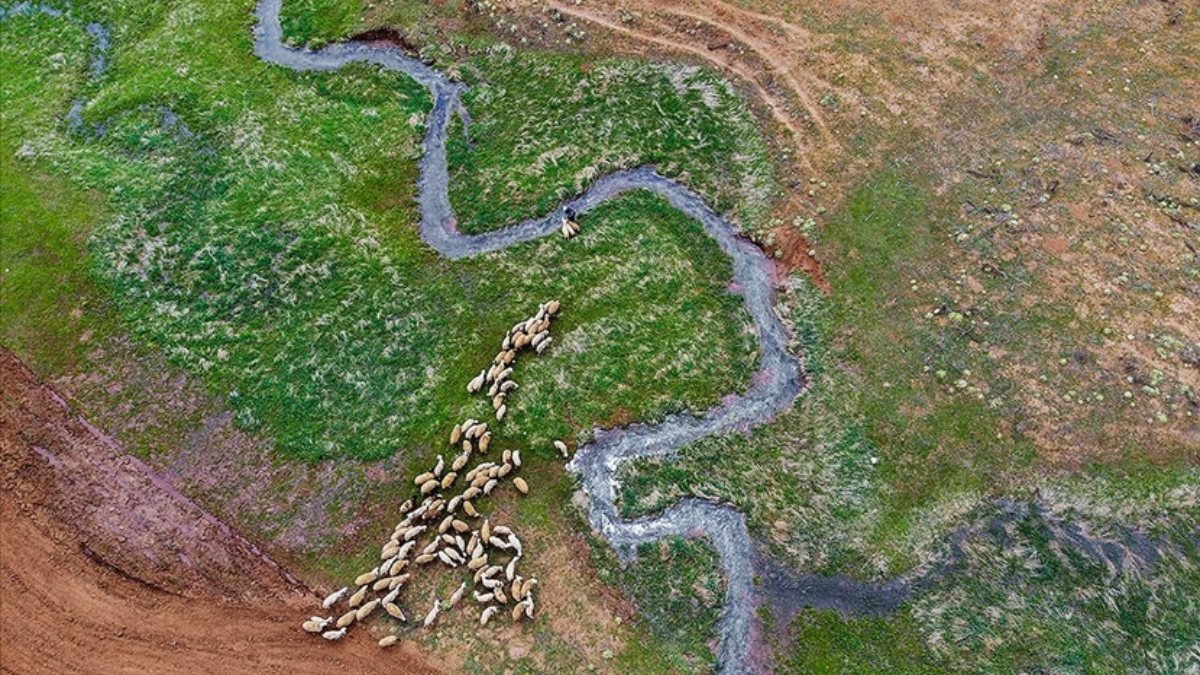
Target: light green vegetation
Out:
[545,127]
[268,249]
[812,470]
[679,592]
[827,643]
[273,256]
[47,302]
[272,252]
[1029,602]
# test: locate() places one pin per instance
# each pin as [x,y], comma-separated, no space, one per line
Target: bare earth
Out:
[94,544]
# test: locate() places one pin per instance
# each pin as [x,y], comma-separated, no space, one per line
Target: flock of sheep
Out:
[440,529]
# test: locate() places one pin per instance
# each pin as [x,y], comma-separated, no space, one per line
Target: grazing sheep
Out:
[397,567]
[502,530]
[544,345]
[552,307]
[477,562]
[333,598]
[441,464]
[358,597]
[510,571]
[429,486]
[334,635]
[504,471]
[433,613]
[459,526]
[500,412]
[423,478]
[484,441]
[522,486]
[394,611]
[391,596]
[445,524]
[346,619]
[528,606]
[399,581]
[516,458]
[316,624]
[455,501]
[388,641]
[456,596]
[517,611]
[485,531]
[381,584]
[456,434]
[490,485]
[366,578]
[527,587]
[476,383]
[425,558]
[431,547]
[497,401]
[365,610]
[499,593]
[499,543]
[406,549]
[487,614]
[444,556]
[470,494]
[561,447]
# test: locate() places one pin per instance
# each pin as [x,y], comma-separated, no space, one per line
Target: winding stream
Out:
[779,380]
[774,388]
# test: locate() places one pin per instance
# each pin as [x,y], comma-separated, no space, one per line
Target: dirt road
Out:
[105,568]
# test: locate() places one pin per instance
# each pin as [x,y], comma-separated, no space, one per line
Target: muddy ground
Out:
[96,546]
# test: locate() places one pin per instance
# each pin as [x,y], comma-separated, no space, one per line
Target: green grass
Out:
[273,254]
[273,257]
[316,22]
[824,642]
[48,303]
[679,593]
[544,128]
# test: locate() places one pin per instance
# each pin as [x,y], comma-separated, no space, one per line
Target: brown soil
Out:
[794,253]
[104,567]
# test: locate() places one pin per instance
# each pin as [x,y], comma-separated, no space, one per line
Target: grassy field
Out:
[263,242]
[1004,335]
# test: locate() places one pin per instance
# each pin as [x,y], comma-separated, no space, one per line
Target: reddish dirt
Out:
[795,255]
[104,567]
